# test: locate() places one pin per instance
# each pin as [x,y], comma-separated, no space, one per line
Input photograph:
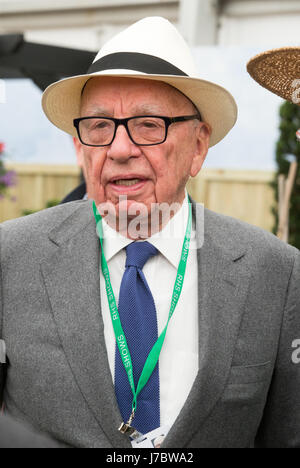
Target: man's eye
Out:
[102,125]
[97,125]
[150,124]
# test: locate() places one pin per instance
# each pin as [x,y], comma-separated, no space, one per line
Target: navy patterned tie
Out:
[139,322]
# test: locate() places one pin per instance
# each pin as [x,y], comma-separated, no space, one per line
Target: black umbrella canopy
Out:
[44,64]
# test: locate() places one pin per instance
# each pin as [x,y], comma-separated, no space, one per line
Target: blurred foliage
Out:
[49,204]
[287,149]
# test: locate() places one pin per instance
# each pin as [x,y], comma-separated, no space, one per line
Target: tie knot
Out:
[138,253]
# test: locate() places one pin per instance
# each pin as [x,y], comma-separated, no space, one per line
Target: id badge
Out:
[152,439]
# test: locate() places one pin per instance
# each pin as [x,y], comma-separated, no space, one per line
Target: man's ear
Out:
[79,152]
[203,132]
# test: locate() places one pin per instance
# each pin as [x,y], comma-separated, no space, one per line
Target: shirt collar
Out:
[113,241]
[168,241]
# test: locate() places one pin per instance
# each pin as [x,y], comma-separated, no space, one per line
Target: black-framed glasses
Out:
[145,130]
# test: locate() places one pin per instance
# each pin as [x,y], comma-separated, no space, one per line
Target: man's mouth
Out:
[127,182]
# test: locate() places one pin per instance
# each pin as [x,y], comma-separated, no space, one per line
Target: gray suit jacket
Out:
[247,390]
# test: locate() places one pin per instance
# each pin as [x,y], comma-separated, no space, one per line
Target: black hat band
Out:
[135,61]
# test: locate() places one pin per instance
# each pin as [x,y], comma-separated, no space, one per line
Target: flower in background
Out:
[7,178]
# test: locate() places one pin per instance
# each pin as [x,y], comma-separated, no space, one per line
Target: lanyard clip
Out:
[128,430]
[131,417]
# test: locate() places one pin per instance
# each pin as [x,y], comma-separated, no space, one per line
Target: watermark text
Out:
[296,353]
[139,221]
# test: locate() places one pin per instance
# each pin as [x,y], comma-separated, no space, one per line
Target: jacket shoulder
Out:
[234,232]
[32,229]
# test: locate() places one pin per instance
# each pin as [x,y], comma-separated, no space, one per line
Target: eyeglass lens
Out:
[143,130]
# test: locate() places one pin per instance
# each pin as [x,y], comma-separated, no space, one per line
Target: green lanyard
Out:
[153,356]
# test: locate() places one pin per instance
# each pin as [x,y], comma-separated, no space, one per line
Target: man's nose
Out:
[122,148]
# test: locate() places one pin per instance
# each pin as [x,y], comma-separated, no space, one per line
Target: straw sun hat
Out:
[279,71]
[151,49]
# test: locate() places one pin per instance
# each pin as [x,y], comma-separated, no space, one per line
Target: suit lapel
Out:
[72,281]
[222,286]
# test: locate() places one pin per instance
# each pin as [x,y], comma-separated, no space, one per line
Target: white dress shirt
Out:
[178,361]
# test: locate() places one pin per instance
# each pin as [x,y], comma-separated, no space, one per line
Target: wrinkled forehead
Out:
[142,93]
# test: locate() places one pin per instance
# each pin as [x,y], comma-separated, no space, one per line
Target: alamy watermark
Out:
[2,92]
[2,352]
[137,221]
[296,92]
[296,353]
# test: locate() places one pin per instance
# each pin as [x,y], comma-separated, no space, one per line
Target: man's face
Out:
[160,172]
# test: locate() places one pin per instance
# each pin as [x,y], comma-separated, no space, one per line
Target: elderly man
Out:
[137,318]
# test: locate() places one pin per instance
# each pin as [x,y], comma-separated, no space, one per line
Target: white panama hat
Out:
[151,49]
